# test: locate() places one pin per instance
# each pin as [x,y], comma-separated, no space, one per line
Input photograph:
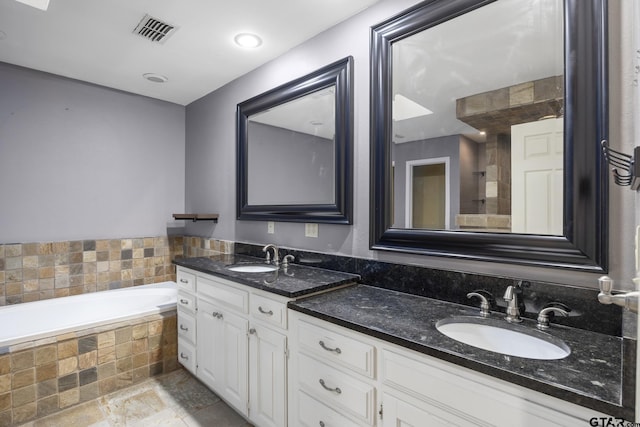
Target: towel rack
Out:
[625,167]
[197,217]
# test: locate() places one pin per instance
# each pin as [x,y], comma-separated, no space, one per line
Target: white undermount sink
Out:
[252,268]
[501,337]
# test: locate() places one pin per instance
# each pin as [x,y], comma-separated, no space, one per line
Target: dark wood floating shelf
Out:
[197,217]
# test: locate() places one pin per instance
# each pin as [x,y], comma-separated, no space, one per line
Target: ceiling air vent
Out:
[154,29]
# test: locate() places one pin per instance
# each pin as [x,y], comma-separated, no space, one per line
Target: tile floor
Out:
[175,399]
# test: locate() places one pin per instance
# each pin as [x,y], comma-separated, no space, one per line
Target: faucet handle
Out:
[287,259]
[543,316]
[606,284]
[508,293]
[486,300]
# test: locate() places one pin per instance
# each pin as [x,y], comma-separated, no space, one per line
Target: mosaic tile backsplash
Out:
[37,271]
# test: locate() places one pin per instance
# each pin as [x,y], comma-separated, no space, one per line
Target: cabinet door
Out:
[401,413]
[235,364]
[210,336]
[267,368]
[222,353]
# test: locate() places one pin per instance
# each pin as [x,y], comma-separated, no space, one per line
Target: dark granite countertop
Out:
[590,376]
[293,281]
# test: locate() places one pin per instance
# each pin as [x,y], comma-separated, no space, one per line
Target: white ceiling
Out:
[313,114]
[93,40]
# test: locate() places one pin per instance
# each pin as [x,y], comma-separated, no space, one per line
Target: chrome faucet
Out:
[543,316]
[276,255]
[511,297]
[287,259]
[486,301]
[627,300]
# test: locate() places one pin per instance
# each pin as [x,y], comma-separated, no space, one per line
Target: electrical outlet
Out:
[271,227]
[311,230]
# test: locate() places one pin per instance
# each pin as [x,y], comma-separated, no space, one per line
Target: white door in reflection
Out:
[428,193]
[537,177]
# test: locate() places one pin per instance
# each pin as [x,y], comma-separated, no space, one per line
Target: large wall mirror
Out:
[486,122]
[295,149]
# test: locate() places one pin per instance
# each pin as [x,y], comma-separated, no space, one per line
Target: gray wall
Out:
[469,176]
[210,155]
[79,161]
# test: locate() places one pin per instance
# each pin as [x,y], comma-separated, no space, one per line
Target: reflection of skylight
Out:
[38,4]
[404,108]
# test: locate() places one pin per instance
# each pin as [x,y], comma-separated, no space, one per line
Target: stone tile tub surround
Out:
[44,270]
[41,377]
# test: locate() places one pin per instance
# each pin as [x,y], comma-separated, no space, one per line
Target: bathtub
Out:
[40,319]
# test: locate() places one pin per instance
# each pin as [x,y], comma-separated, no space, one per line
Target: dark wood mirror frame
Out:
[340,75]
[584,244]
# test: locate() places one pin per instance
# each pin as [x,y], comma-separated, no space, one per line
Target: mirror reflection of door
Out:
[428,193]
[537,177]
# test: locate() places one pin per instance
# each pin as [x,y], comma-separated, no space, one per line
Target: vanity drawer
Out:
[186,302]
[187,327]
[186,280]
[269,310]
[224,294]
[334,387]
[187,355]
[312,413]
[337,348]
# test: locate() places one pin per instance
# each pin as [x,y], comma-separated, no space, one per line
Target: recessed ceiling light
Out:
[247,40]
[156,78]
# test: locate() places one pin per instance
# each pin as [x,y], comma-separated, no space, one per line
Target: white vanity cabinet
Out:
[415,385]
[186,304]
[382,384]
[332,375]
[240,346]
[222,352]
[267,376]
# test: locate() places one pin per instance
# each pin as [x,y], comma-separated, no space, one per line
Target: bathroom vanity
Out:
[233,328]
[375,356]
[308,346]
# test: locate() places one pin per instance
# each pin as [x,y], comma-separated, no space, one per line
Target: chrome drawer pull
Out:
[261,310]
[184,281]
[335,390]
[217,315]
[184,356]
[335,350]
[184,301]
[252,331]
[321,423]
[183,327]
